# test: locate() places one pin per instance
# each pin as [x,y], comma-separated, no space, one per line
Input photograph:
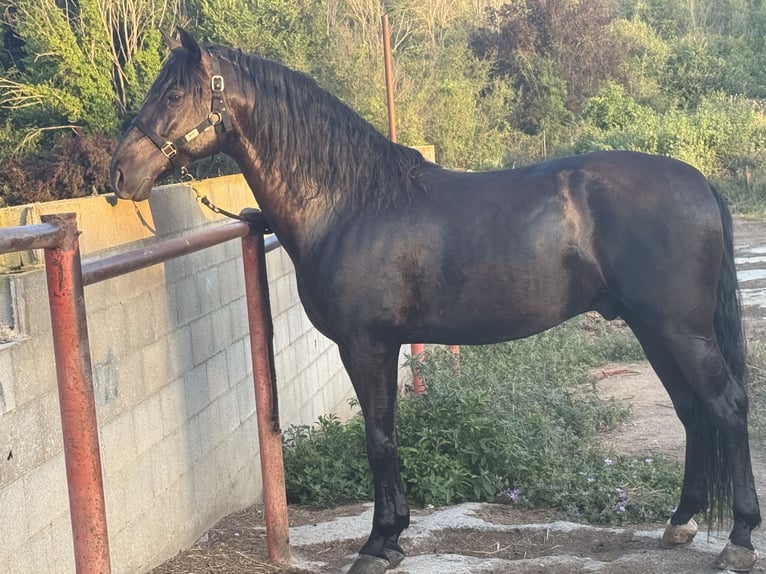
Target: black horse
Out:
[390,249]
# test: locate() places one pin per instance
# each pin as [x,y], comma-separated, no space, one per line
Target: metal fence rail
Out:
[66,277]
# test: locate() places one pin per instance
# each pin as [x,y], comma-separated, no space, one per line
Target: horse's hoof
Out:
[394,557]
[366,564]
[679,534]
[736,558]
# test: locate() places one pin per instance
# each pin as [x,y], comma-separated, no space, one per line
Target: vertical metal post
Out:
[389,78]
[78,409]
[269,434]
[418,386]
[416,348]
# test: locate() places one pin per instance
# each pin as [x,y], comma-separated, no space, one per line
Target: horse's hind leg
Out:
[681,528]
[373,370]
[724,401]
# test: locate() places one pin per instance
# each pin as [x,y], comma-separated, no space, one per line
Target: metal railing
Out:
[66,276]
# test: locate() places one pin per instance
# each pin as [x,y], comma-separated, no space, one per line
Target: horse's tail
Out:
[730,336]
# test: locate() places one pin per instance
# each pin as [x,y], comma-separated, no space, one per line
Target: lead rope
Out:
[255,219]
[249,215]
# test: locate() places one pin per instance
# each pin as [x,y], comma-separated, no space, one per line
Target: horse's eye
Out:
[173,97]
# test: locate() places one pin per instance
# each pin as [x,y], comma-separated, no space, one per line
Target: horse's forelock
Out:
[179,69]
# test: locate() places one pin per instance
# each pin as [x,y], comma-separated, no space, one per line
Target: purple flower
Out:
[608,462]
[591,480]
[516,495]
[649,460]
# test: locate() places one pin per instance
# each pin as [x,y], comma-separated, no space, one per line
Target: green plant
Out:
[326,464]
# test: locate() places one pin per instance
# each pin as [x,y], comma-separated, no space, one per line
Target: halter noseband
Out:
[218,118]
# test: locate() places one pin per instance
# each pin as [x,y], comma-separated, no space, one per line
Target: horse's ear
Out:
[171,42]
[188,42]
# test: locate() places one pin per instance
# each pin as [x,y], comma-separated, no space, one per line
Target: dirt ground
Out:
[532,541]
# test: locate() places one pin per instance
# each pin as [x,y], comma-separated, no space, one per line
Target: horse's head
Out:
[182,119]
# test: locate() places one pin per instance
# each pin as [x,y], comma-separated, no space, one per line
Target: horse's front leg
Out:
[372,367]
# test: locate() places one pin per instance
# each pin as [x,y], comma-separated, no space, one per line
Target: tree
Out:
[555,54]
[79,63]
[283,30]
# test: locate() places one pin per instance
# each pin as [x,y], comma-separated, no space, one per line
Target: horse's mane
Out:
[316,142]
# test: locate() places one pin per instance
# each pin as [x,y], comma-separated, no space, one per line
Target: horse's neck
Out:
[298,218]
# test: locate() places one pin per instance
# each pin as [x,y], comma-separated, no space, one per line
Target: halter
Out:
[218,118]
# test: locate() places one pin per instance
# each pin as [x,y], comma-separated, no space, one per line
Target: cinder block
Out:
[45,493]
[303,354]
[138,487]
[106,379]
[222,334]
[275,264]
[13,517]
[231,281]
[248,354]
[50,426]
[30,300]
[170,461]
[32,377]
[111,329]
[196,390]
[60,552]
[147,422]
[229,411]
[157,369]
[202,339]
[246,400]
[235,362]
[137,318]
[281,332]
[294,325]
[200,436]
[7,379]
[239,322]
[187,301]
[118,443]
[289,364]
[217,375]
[162,307]
[208,287]
[174,270]
[281,295]
[205,481]
[172,407]
[293,287]
[32,556]
[179,359]
[25,451]
[114,499]
[118,384]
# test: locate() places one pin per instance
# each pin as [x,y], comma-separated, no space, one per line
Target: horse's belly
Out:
[487,309]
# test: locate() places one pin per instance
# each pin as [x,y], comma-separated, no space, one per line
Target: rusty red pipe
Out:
[78,408]
[267,414]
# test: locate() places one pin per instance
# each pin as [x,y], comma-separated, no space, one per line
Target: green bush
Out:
[327,464]
[518,421]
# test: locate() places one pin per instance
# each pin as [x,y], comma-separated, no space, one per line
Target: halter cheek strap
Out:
[218,118]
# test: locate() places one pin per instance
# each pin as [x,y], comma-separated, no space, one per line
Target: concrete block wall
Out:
[172,379]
